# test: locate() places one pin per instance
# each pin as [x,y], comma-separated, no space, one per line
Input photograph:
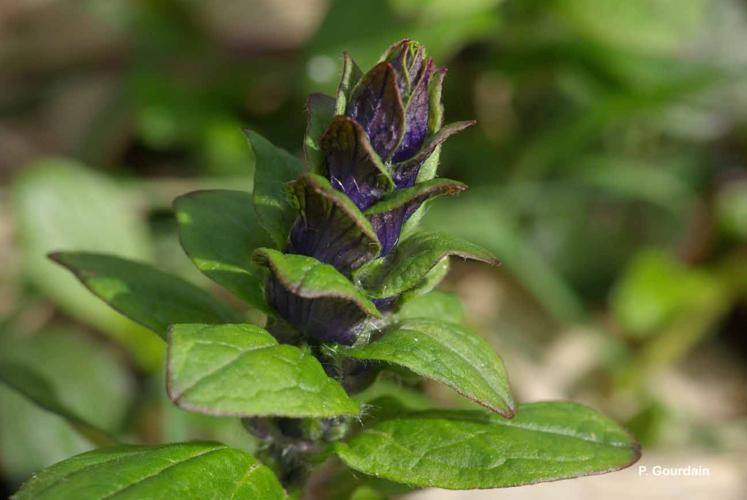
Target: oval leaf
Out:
[188,470]
[448,353]
[241,370]
[143,293]
[219,230]
[475,449]
[273,168]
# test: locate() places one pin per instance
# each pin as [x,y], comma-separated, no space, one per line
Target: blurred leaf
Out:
[224,149]
[646,26]
[143,293]
[204,470]
[33,438]
[86,378]
[241,370]
[475,449]
[448,353]
[470,215]
[731,204]
[655,289]
[61,205]
[365,29]
[38,390]
[219,230]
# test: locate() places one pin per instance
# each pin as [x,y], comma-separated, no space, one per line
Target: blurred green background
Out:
[608,172]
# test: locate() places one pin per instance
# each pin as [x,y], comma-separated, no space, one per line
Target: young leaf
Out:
[143,293]
[185,470]
[219,230]
[448,353]
[38,390]
[406,267]
[321,111]
[274,167]
[395,209]
[351,74]
[475,449]
[241,370]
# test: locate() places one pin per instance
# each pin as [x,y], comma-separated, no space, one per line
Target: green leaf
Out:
[321,111]
[274,167]
[351,74]
[219,230]
[33,438]
[448,353]
[186,470]
[656,289]
[143,293]
[241,370]
[475,449]
[60,204]
[38,390]
[416,194]
[438,305]
[308,278]
[413,259]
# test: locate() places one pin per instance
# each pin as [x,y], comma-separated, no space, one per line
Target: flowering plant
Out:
[331,254]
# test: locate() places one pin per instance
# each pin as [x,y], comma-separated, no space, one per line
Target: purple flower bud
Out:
[391,101]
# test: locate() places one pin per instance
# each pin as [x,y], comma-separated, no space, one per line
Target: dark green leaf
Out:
[143,293]
[448,353]
[241,370]
[413,259]
[475,449]
[321,110]
[219,230]
[34,387]
[188,470]
[274,167]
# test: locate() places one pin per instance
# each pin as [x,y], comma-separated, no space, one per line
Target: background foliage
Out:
[608,172]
